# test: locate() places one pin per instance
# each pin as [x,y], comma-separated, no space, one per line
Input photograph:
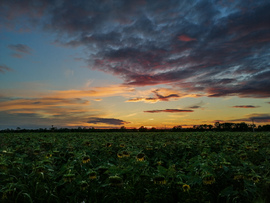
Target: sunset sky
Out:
[152,63]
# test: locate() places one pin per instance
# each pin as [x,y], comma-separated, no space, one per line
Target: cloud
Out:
[42,112]
[170,94]
[50,108]
[245,106]
[169,111]
[19,50]
[110,121]
[98,99]
[256,117]
[202,48]
[260,118]
[106,91]
[196,106]
[22,48]
[186,38]
[4,68]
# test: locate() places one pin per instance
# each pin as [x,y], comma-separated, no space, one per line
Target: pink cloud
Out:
[186,38]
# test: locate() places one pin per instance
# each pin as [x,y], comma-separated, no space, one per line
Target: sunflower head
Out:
[83,185]
[140,157]
[186,187]
[56,153]
[87,143]
[126,154]
[243,156]
[159,163]
[86,159]
[69,177]
[238,176]
[93,175]
[149,148]
[36,151]
[255,149]
[102,169]
[160,180]
[254,178]
[119,155]
[209,179]
[116,181]
[228,148]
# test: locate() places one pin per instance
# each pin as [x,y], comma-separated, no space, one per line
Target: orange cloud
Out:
[113,90]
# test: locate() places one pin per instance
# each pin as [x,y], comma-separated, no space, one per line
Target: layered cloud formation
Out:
[162,51]
[204,47]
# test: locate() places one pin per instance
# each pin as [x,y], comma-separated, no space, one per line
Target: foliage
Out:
[134,167]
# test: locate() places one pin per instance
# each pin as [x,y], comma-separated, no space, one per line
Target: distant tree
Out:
[123,128]
[153,129]
[217,125]
[142,129]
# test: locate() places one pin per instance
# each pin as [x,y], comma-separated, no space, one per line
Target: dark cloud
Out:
[257,118]
[111,121]
[196,106]
[4,68]
[201,47]
[245,106]
[169,111]
[158,97]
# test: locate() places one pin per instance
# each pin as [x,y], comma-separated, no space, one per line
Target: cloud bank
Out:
[201,47]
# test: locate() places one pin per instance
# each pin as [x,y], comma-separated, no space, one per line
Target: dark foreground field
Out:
[135,167]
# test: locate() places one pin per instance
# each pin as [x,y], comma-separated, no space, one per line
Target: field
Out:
[135,167]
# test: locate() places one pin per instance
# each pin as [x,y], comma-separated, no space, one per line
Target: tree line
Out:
[237,127]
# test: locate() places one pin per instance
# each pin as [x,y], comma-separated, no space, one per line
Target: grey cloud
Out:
[257,118]
[111,121]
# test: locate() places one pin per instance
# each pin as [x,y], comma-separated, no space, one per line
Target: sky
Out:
[152,63]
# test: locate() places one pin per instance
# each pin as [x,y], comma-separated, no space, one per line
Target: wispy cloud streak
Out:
[245,106]
[169,111]
[4,68]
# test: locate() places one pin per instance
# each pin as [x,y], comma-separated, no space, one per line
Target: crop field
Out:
[135,167]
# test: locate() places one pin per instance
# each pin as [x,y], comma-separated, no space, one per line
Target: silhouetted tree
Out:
[142,129]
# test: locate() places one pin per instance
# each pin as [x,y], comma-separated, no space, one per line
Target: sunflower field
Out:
[135,167]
